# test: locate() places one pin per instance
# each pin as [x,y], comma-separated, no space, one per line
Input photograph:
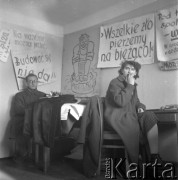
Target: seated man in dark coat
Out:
[22,100]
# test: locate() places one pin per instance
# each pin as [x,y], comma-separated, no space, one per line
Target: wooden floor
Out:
[63,169]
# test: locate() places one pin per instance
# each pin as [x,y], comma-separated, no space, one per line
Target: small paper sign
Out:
[169,65]
[4,44]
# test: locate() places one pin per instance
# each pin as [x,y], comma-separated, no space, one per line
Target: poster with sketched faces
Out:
[82,80]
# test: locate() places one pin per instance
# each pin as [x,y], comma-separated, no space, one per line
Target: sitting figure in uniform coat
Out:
[22,100]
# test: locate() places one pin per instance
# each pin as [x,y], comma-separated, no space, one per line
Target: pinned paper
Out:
[4,44]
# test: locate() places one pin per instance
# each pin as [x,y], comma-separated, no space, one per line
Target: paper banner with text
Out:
[30,55]
[167,34]
[168,65]
[5,36]
[128,40]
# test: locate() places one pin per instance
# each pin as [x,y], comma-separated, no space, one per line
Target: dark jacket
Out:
[91,134]
[42,120]
[121,104]
[24,99]
[21,101]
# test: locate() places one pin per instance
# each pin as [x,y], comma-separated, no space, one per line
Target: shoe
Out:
[156,158]
[23,160]
[18,159]
[77,148]
[76,153]
[159,164]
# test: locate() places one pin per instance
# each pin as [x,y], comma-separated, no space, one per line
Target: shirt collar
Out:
[31,90]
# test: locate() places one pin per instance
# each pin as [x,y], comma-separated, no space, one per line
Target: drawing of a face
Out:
[83,41]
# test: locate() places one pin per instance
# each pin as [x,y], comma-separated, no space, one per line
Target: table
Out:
[168,134]
[43,123]
[42,119]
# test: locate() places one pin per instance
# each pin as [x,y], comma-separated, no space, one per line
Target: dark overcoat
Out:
[21,101]
[121,105]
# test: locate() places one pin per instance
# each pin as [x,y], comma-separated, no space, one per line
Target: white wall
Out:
[7,79]
[106,15]
[156,88]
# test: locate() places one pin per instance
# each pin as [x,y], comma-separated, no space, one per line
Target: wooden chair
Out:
[110,141]
[62,146]
[112,148]
[44,154]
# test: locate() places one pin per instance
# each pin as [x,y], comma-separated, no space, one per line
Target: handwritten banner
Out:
[30,55]
[167,34]
[4,44]
[28,40]
[127,40]
[168,65]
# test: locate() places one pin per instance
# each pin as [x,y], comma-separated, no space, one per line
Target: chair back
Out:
[109,140]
